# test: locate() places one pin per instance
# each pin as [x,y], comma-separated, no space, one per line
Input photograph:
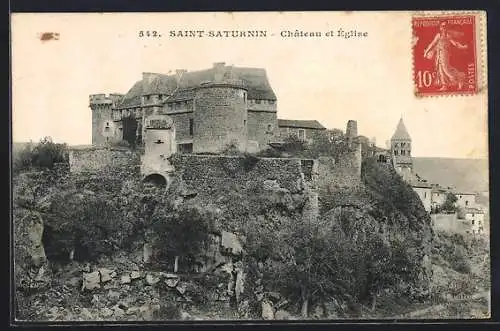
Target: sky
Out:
[329,79]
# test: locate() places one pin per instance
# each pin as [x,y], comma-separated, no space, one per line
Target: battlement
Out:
[105,99]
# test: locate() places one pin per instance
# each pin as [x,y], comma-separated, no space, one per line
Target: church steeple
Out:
[401,151]
[401,133]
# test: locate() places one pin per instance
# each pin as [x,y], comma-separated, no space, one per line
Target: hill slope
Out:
[462,174]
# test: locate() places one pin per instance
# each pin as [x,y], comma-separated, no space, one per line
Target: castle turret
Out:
[220,116]
[104,128]
[401,151]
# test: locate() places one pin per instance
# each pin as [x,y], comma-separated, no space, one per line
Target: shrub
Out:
[180,232]
[40,156]
[249,161]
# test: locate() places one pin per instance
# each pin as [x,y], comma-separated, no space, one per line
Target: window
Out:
[395,152]
[257,101]
[244,122]
[472,222]
[402,152]
[402,144]
[191,126]
[269,128]
[185,148]
[425,194]
[466,202]
[146,97]
[244,96]
[302,134]
[271,102]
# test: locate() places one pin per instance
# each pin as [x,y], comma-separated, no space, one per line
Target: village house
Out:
[475,217]
[465,199]
[302,129]
[439,195]
[424,191]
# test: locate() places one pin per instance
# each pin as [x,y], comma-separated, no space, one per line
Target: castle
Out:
[208,110]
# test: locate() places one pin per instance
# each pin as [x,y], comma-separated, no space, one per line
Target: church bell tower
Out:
[401,151]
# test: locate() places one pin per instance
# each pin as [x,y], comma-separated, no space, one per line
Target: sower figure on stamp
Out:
[440,48]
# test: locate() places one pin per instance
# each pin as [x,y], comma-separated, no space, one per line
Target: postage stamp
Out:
[445,55]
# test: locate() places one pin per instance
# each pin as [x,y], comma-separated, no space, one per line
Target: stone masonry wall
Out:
[204,172]
[104,129]
[219,118]
[181,122]
[257,124]
[101,158]
[345,172]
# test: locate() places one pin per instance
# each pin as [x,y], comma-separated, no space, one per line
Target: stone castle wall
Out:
[181,123]
[104,129]
[219,118]
[206,171]
[257,125]
[343,172]
[101,158]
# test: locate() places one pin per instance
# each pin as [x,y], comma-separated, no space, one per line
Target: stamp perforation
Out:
[478,46]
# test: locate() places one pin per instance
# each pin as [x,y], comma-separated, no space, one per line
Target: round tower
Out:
[220,117]
[104,128]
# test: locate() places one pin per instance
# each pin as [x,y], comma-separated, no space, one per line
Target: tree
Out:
[449,203]
[181,232]
[40,156]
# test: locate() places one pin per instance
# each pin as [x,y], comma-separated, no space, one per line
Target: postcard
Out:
[250,166]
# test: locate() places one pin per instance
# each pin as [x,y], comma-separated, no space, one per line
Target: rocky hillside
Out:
[108,247]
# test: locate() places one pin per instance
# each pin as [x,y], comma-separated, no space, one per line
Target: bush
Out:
[180,232]
[40,156]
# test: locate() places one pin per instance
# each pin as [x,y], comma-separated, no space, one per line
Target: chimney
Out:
[148,77]
[219,71]
[178,74]
[219,65]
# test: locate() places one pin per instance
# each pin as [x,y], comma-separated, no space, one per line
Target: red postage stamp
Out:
[444,55]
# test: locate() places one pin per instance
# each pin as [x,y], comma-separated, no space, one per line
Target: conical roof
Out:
[401,132]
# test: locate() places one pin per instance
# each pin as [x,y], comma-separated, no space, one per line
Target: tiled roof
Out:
[421,184]
[401,132]
[305,124]
[254,79]
[133,96]
[473,211]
